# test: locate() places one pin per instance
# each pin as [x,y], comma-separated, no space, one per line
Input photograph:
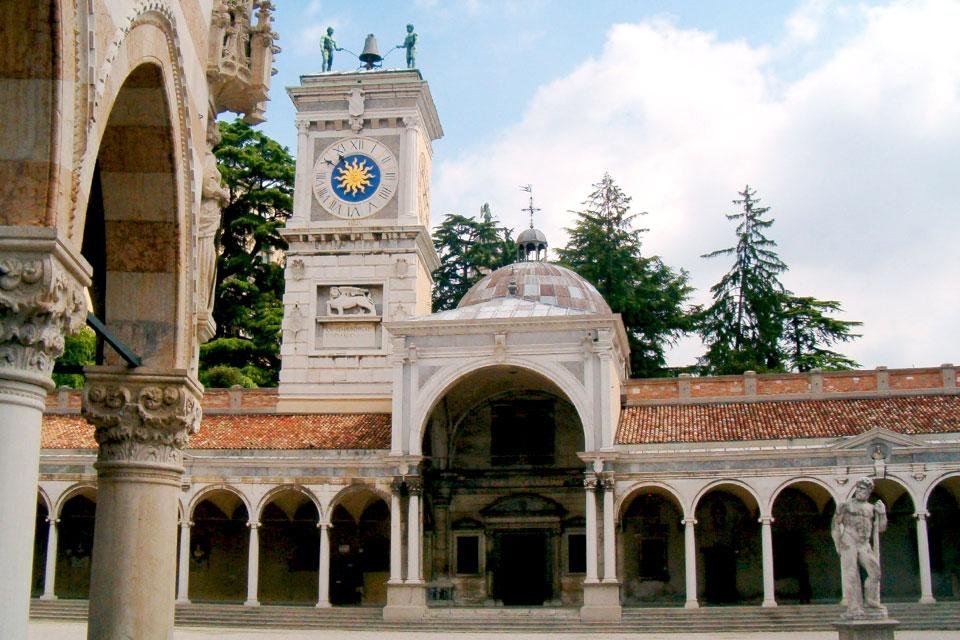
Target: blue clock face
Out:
[355,177]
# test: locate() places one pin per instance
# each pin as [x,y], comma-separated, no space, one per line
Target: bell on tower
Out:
[531,243]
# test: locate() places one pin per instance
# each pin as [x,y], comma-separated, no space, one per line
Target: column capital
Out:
[253,524]
[414,485]
[186,524]
[141,416]
[53,521]
[396,486]
[324,525]
[689,521]
[607,481]
[42,283]
[921,515]
[590,482]
[767,520]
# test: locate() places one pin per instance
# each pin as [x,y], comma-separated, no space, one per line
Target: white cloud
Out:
[857,157]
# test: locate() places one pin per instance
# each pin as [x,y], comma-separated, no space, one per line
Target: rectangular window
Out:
[576,553]
[468,555]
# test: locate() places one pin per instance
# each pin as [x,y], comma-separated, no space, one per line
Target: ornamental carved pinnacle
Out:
[141,418]
[40,301]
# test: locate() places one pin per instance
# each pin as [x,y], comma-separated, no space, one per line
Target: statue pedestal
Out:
[866,629]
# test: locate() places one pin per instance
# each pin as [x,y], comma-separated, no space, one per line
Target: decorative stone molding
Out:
[41,299]
[414,486]
[590,483]
[141,417]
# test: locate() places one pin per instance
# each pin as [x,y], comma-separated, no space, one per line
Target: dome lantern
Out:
[531,243]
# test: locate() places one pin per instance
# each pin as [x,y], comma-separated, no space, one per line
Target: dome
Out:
[539,282]
[532,235]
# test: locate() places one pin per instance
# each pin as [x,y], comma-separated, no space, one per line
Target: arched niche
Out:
[806,567]
[360,547]
[729,563]
[652,546]
[219,541]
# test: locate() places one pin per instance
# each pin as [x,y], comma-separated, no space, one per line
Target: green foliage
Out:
[248,307]
[743,325]
[80,349]
[650,296]
[468,249]
[754,323]
[807,331]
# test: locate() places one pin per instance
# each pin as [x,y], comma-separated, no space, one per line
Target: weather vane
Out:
[529,208]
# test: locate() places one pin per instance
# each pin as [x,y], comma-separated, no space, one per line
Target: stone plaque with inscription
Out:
[348,335]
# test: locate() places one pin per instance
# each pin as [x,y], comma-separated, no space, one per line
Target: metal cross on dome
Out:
[530,208]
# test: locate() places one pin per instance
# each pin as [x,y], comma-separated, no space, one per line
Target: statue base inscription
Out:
[866,629]
[348,335]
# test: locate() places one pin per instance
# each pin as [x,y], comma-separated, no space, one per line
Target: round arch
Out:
[271,495]
[44,498]
[86,489]
[349,490]
[800,480]
[660,488]
[444,380]
[214,488]
[740,489]
[924,504]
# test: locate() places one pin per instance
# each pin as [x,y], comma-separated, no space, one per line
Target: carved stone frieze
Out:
[141,417]
[41,299]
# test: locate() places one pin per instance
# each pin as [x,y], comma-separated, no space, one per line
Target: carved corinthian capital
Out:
[41,298]
[141,417]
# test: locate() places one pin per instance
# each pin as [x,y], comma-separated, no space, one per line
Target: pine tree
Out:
[468,248]
[742,327]
[808,331]
[248,306]
[650,296]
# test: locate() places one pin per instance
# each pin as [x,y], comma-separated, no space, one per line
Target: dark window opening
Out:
[577,553]
[468,555]
[522,433]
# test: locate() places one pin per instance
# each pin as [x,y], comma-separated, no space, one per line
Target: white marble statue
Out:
[856,532]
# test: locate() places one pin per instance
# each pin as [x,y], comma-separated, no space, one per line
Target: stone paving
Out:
[77,631]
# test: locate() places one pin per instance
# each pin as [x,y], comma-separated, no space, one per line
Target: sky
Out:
[843,115]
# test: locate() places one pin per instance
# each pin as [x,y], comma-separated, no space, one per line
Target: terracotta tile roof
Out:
[787,419]
[262,431]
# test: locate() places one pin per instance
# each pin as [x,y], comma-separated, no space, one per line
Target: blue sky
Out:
[845,115]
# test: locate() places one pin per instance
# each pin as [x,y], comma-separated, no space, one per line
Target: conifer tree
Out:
[742,327]
[650,296]
[808,331]
[248,306]
[468,248]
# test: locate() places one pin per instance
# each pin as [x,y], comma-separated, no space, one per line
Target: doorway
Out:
[522,569]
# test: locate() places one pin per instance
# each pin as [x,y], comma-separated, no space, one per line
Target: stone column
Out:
[396,533]
[766,542]
[609,534]
[690,562]
[143,418]
[253,565]
[414,531]
[183,575]
[41,298]
[590,486]
[323,588]
[50,568]
[923,556]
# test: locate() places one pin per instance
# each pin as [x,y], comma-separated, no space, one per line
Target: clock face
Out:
[355,177]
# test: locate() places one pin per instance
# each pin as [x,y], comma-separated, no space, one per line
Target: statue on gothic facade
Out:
[410,44]
[213,196]
[327,46]
[856,530]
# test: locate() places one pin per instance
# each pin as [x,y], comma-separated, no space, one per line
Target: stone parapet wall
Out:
[750,386]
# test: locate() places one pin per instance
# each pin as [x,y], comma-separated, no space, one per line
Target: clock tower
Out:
[360,252]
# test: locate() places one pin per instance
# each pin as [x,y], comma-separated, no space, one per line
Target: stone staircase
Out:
[940,616]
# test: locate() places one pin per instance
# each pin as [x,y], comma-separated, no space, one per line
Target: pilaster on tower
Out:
[360,251]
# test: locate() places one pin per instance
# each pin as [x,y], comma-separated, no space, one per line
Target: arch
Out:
[792,482]
[741,489]
[360,548]
[900,577]
[87,489]
[936,482]
[444,380]
[44,498]
[352,489]
[890,487]
[661,488]
[805,564]
[201,495]
[651,545]
[271,495]
[77,512]
[942,505]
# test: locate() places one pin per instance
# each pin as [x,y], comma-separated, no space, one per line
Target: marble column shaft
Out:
[323,572]
[253,565]
[396,535]
[50,568]
[41,299]
[923,557]
[414,534]
[766,543]
[690,562]
[590,491]
[183,575]
[609,533]
[143,419]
